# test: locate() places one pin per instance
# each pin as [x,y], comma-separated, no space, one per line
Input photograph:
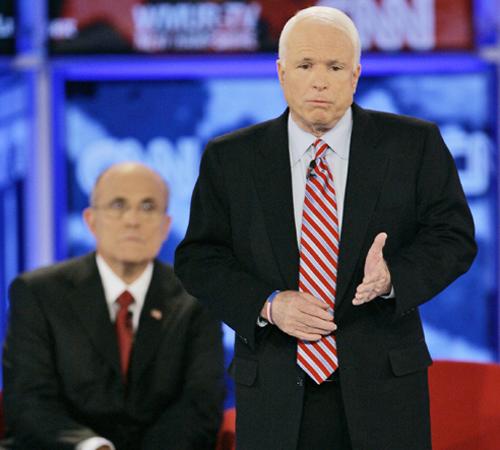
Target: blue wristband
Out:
[269,309]
[271,297]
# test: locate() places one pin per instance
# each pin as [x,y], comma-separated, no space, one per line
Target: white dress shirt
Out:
[113,286]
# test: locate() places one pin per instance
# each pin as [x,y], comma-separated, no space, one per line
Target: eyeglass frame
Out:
[117,213]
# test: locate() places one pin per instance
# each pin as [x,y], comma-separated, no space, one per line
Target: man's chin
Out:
[321,120]
[129,258]
[321,126]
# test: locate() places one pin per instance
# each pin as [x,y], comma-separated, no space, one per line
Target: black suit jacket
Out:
[62,381]
[241,245]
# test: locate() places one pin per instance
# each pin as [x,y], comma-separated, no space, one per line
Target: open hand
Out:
[377,279]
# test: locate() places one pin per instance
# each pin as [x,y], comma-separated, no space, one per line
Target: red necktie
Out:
[319,249]
[124,330]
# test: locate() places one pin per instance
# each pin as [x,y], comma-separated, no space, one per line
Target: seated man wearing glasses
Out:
[107,351]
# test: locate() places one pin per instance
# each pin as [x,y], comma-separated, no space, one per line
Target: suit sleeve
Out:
[205,260]
[444,245]
[35,414]
[192,422]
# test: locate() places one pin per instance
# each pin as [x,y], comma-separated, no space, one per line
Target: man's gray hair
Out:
[326,14]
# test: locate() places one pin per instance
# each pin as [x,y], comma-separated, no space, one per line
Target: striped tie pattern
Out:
[319,249]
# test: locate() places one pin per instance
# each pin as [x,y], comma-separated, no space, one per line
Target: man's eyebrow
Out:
[116,198]
[329,62]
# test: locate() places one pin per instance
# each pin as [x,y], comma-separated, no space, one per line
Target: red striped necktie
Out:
[319,250]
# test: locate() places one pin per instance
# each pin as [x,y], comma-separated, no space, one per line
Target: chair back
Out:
[465,405]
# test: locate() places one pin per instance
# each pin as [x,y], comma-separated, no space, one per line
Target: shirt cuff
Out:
[261,322]
[391,294]
[94,443]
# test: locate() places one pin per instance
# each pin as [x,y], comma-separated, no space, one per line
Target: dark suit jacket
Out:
[241,245]
[62,381]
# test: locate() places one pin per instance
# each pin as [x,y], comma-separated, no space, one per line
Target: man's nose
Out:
[320,80]
[131,216]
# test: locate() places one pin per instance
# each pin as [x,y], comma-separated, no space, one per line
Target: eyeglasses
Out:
[146,210]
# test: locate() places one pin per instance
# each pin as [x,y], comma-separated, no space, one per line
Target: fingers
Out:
[316,325]
[378,285]
[375,254]
[314,332]
[359,299]
[303,316]
[314,308]
[308,336]
[379,242]
[377,246]
[311,300]
[367,291]
[315,329]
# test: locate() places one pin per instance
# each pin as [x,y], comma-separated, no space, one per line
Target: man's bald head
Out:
[131,170]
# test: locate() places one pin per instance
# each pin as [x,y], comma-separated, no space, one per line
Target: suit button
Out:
[300,381]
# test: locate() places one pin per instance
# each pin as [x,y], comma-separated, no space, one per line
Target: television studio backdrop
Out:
[86,83]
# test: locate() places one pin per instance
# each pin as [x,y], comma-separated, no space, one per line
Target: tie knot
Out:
[125,299]
[320,148]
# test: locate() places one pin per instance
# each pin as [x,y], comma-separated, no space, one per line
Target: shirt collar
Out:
[337,138]
[113,285]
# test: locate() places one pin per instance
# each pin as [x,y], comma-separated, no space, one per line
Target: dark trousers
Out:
[324,424]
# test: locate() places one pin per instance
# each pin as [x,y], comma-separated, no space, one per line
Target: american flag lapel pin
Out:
[156,314]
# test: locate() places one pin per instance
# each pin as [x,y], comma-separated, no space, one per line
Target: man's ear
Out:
[89,219]
[167,225]
[280,68]
[356,75]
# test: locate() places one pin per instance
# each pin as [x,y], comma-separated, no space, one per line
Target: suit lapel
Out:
[274,186]
[90,307]
[155,317]
[367,167]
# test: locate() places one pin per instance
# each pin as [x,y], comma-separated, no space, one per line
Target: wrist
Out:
[269,306]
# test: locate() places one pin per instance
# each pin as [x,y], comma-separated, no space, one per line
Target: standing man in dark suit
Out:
[108,351]
[316,236]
